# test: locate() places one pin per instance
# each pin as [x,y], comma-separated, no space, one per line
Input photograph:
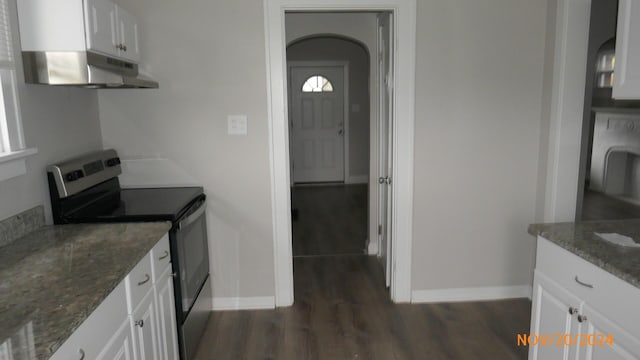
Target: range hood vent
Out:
[82,69]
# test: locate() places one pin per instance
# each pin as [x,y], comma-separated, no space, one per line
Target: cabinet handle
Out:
[164,256]
[582,318]
[573,310]
[583,283]
[139,323]
[124,47]
[81,352]
[146,279]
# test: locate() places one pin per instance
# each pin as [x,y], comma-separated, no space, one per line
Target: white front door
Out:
[385,141]
[316,120]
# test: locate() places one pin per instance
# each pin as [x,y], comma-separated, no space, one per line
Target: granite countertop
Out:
[53,278]
[580,239]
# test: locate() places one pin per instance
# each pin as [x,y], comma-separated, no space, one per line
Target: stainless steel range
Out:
[86,189]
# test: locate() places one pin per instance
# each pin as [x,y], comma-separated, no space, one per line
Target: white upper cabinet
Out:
[99,26]
[101,29]
[627,69]
[128,35]
[111,30]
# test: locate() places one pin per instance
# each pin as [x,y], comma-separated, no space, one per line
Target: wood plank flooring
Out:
[342,311]
[330,219]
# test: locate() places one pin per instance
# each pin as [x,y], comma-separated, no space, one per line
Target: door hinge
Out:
[379,229]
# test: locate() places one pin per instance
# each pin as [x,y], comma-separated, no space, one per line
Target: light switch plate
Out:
[237,124]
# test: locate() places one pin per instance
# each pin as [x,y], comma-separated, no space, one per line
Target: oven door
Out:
[190,245]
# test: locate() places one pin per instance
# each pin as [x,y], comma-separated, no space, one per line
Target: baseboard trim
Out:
[357,179]
[372,247]
[244,303]
[471,294]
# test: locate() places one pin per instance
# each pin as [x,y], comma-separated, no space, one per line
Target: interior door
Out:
[316,119]
[385,141]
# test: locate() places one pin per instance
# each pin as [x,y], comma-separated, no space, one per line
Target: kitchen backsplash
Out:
[21,224]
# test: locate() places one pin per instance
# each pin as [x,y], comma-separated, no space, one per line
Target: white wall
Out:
[479,99]
[61,123]
[209,58]
[478,118]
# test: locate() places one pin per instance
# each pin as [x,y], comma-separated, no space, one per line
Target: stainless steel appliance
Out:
[82,68]
[86,189]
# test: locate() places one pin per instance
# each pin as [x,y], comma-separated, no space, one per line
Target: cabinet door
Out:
[167,329]
[625,346]
[627,68]
[128,35]
[144,325]
[101,29]
[120,346]
[550,314]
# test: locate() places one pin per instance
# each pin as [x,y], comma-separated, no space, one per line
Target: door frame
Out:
[563,106]
[345,108]
[404,12]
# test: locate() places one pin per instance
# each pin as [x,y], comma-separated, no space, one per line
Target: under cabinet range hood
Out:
[83,69]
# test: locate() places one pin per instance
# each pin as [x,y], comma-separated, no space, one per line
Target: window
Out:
[606,63]
[317,83]
[12,147]
[11,138]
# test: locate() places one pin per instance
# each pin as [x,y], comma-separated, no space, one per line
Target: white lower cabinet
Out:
[166,317]
[623,345]
[120,347]
[554,312]
[585,312]
[145,327]
[137,321]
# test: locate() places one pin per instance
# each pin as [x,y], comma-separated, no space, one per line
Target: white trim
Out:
[13,164]
[345,107]
[18,154]
[244,303]
[567,106]
[357,179]
[471,294]
[404,99]
[372,245]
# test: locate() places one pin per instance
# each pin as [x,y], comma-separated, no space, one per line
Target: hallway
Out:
[329,220]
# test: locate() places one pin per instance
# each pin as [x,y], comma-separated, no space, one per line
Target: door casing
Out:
[404,12]
[345,70]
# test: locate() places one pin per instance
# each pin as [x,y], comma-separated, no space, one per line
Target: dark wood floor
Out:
[599,206]
[342,311]
[330,219]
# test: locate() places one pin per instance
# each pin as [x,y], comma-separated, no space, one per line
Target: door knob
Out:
[381,180]
[340,132]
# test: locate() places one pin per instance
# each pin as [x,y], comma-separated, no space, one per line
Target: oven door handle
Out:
[193,217]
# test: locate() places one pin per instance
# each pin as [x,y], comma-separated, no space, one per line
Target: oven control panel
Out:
[78,174]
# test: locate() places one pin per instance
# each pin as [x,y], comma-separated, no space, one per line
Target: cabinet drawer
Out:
[138,282]
[94,332]
[616,299]
[161,258]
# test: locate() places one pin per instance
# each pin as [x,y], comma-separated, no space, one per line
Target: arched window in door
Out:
[317,83]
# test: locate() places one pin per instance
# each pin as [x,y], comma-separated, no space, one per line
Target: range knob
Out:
[74,175]
[112,162]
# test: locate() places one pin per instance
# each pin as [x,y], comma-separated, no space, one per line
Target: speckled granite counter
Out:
[54,277]
[579,238]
